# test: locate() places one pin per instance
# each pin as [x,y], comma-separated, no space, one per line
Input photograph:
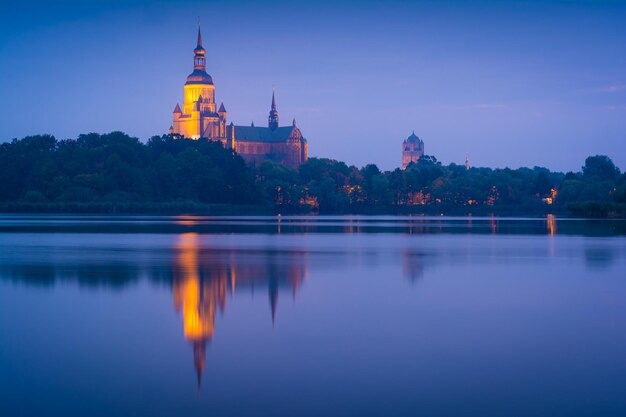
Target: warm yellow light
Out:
[551,223]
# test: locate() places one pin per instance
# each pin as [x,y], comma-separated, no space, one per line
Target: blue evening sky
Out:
[520,83]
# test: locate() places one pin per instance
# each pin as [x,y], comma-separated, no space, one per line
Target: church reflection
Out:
[203,278]
[412,265]
[197,298]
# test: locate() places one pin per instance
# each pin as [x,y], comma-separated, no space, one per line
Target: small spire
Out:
[272,119]
[273,99]
[177,109]
[199,358]
[199,34]
[222,108]
[294,122]
[273,295]
[252,124]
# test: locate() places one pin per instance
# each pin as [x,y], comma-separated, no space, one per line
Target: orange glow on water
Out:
[551,224]
[196,301]
[197,298]
[203,278]
[186,221]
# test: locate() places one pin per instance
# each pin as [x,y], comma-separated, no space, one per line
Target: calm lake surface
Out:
[312,316]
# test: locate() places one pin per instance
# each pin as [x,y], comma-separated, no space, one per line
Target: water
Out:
[312,316]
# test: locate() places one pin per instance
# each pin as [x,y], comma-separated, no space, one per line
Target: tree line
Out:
[115,173]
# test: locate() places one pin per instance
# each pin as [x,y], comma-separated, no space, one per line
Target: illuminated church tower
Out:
[198,117]
[412,150]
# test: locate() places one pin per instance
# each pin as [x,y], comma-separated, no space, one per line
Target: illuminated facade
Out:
[412,150]
[199,117]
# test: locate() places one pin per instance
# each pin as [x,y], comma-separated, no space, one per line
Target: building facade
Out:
[199,117]
[412,150]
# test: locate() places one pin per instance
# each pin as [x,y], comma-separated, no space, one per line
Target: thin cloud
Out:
[473,106]
[609,89]
[491,106]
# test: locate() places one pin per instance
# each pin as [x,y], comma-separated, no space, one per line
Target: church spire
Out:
[273,293]
[199,61]
[272,120]
[199,359]
[199,34]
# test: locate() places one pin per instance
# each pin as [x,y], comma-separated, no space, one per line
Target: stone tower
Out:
[199,117]
[412,150]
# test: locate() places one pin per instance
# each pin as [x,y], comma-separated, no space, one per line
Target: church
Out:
[199,117]
[412,150]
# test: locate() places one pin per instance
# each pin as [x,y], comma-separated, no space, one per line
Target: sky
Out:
[525,83]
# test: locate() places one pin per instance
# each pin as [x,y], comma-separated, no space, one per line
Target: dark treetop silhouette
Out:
[117,173]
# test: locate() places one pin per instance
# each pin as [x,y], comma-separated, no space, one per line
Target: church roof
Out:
[413,138]
[263,134]
[199,77]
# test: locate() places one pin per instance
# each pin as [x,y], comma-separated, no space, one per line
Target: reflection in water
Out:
[493,225]
[202,279]
[599,257]
[311,224]
[551,224]
[412,265]
[198,299]
[207,271]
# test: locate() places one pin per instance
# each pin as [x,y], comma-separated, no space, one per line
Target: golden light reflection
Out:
[203,278]
[186,220]
[197,299]
[551,224]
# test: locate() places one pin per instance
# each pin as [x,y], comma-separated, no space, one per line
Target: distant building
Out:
[412,150]
[199,117]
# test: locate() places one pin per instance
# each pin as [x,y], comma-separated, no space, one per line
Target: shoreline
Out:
[177,208]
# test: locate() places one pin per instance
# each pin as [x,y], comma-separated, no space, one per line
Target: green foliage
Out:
[600,168]
[117,172]
[115,167]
